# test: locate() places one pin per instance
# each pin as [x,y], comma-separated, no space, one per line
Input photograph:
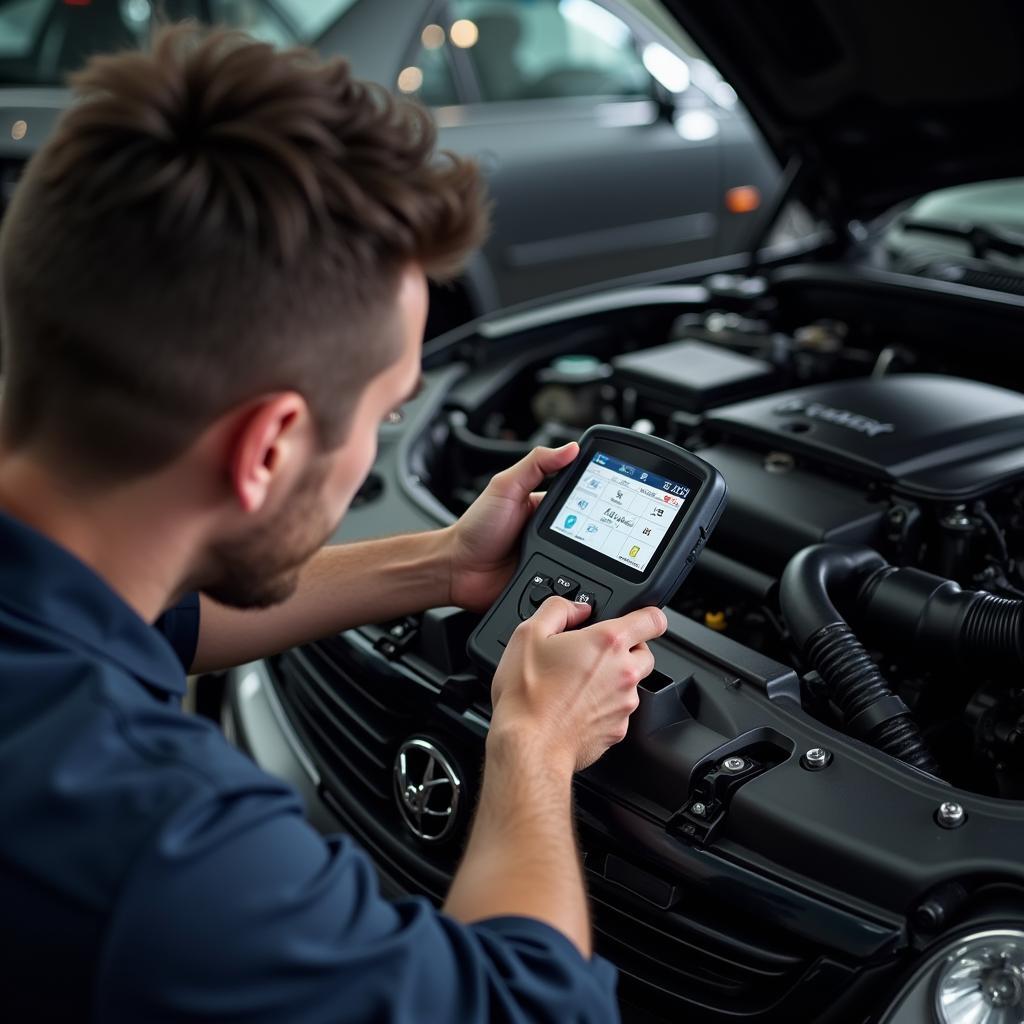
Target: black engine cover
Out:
[924,435]
[773,512]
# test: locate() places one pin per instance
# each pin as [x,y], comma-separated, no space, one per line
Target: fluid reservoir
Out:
[569,390]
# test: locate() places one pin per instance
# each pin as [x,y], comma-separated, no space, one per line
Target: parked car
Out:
[850,640]
[608,149]
[972,234]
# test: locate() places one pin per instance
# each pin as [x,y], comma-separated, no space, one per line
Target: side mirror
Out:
[669,77]
[665,100]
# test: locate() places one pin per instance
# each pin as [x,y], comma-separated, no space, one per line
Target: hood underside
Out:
[879,101]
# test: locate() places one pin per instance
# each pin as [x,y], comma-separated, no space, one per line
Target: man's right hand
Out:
[561,699]
[568,695]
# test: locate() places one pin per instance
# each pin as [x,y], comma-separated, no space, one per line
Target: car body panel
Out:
[586,189]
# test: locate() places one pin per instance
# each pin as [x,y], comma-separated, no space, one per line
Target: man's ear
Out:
[272,445]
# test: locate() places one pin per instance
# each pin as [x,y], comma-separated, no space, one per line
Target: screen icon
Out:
[591,528]
[647,531]
[643,477]
[583,504]
[570,522]
[634,551]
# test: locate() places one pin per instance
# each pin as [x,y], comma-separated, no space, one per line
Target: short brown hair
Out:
[211,221]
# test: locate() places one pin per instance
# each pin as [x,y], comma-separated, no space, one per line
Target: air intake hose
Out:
[937,621]
[869,708]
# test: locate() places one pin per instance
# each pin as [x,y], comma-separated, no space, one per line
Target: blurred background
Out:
[612,148]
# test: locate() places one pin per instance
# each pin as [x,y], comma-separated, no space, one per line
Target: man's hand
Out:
[567,696]
[560,700]
[484,543]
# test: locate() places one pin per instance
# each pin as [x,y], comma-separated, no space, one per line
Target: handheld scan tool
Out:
[620,528]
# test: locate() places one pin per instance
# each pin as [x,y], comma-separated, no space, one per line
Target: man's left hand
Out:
[485,541]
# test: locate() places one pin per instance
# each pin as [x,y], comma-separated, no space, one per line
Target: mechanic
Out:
[214,290]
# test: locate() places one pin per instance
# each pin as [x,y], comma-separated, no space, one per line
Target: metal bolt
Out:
[699,809]
[929,916]
[779,462]
[734,764]
[950,814]
[816,758]
[958,519]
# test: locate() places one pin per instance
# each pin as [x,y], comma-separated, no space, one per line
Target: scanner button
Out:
[540,580]
[538,595]
[566,587]
[586,597]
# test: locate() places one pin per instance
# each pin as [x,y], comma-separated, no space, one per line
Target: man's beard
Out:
[263,568]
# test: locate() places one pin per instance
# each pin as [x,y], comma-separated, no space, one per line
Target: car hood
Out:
[879,102]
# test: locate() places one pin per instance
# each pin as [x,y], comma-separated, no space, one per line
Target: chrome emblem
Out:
[427,789]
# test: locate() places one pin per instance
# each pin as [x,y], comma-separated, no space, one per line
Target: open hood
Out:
[878,101]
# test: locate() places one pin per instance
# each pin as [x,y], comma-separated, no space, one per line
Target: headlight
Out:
[981,980]
[976,979]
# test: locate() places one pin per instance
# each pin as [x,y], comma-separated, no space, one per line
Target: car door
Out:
[596,170]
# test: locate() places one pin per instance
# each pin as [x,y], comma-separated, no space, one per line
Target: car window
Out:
[431,78]
[42,41]
[19,23]
[540,49]
[255,17]
[312,17]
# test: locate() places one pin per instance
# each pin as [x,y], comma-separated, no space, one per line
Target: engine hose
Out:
[994,626]
[869,708]
[936,620]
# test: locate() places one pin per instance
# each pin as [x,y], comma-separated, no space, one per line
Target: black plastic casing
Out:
[617,588]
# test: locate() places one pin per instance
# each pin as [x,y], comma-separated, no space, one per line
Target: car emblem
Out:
[427,789]
[862,424]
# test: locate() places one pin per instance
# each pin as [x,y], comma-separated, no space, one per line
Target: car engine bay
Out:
[828,433]
[823,777]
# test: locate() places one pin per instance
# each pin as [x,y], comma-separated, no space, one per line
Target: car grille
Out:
[687,961]
[676,961]
[352,728]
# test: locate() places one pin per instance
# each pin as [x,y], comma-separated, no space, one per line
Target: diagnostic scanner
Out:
[620,528]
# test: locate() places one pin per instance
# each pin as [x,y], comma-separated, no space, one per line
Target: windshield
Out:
[42,41]
[968,235]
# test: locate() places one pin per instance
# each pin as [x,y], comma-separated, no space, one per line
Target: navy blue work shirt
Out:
[150,872]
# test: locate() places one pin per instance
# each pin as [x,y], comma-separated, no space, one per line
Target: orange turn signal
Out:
[743,199]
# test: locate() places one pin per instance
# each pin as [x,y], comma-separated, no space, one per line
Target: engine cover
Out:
[924,435]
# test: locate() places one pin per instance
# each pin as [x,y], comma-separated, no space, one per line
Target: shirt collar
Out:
[43,582]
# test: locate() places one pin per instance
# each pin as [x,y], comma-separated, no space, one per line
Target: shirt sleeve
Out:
[180,625]
[241,911]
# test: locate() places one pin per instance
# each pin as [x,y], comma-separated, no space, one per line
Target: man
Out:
[214,289]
